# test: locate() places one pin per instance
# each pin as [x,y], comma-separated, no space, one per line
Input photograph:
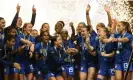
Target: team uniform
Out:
[123,53]
[41,66]
[77,56]
[68,66]
[106,64]
[56,58]
[23,58]
[4,61]
[9,59]
[87,60]
[1,36]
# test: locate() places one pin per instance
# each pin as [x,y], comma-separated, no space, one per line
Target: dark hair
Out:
[53,39]
[64,32]
[43,32]
[1,18]
[9,38]
[83,24]
[43,25]
[102,24]
[62,22]
[88,27]
[9,28]
[127,26]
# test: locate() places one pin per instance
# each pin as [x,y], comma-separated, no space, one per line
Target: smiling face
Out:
[27,28]
[64,35]
[58,28]
[34,33]
[12,32]
[45,37]
[10,43]
[99,26]
[84,32]
[79,27]
[101,32]
[120,28]
[58,41]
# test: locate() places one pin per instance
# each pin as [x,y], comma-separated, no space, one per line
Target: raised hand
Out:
[71,24]
[106,8]
[18,8]
[33,9]
[88,8]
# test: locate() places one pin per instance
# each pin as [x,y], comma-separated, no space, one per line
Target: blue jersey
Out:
[4,55]
[68,44]
[84,51]
[90,58]
[24,55]
[56,58]
[123,49]
[93,33]
[107,48]
[41,50]
[1,36]
[78,41]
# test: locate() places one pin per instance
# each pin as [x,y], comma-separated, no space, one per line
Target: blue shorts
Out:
[26,68]
[76,67]
[90,65]
[37,73]
[51,74]
[123,67]
[83,67]
[106,72]
[6,70]
[68,69]
[13,70]
[10,70]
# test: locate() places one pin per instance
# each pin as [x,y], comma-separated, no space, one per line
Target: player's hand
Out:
[106,8]
[88,8]
[103,54]
[18,8]
[16,65]
[71,24]
[33,9]
[31,54]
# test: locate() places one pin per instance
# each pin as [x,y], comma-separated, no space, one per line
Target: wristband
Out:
[87,13]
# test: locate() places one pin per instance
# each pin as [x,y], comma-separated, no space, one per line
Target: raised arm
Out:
[107,9]
[88,17]
[13,24]
[87,14]
[73,29]
[33,15]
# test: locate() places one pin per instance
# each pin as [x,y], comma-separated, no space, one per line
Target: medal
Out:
[117,52]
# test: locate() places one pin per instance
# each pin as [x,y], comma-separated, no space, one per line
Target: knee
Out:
[82,78]
[91,76]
